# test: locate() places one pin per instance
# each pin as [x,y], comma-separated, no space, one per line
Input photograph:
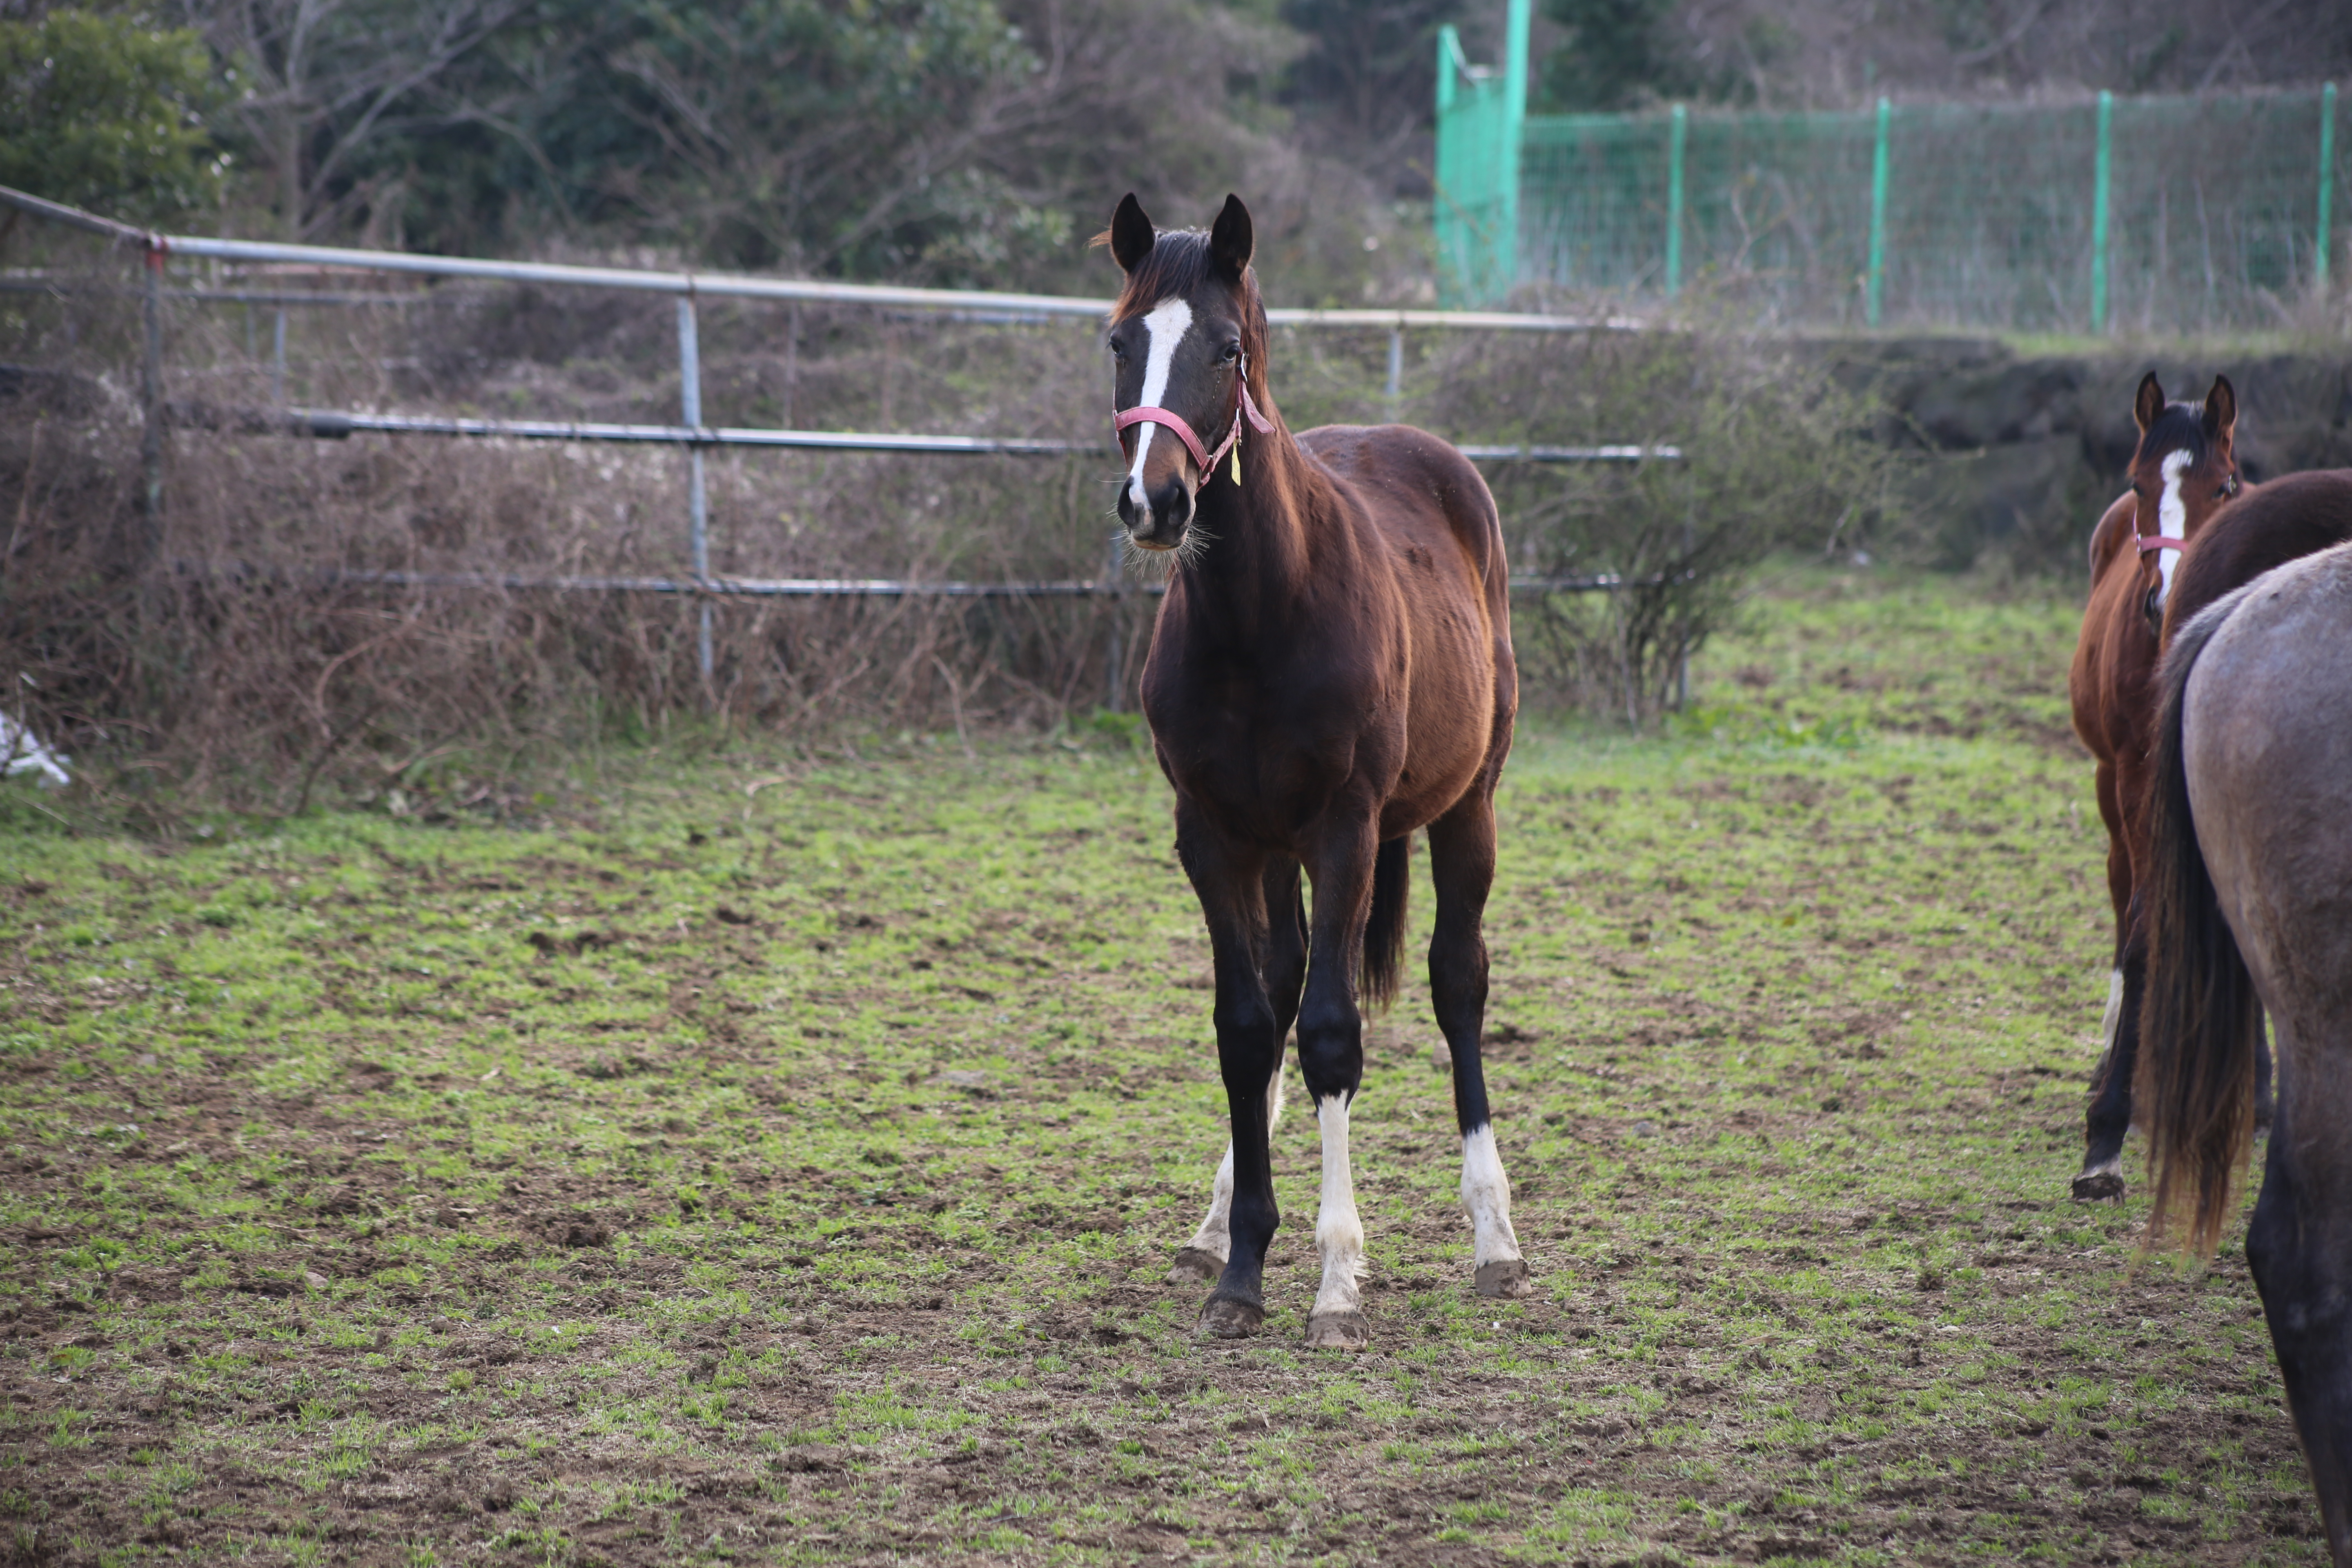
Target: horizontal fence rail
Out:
[728,285]
[335,425]
[862,587]
[691,433]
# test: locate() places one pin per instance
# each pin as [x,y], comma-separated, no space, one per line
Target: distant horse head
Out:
[2185,468]
[1187,339]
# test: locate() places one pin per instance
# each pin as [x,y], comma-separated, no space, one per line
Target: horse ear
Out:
[2221,409]
[1231,240]
[1131,234]
[2148,402]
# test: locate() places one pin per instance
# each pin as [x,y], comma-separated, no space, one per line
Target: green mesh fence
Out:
[2213,211]
[1478,184]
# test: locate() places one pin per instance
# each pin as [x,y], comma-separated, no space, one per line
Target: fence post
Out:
[150,401]
[1675,140]
[1518,18]
[278,360]
[2326,181]
[1878,213]
[689,397]
[2099,218]
[1392,394]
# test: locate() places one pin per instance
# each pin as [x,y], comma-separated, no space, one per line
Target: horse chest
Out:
[1260,749]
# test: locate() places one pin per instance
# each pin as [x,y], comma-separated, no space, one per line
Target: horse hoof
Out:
[1338,1332]
[1506,1278]
[1194,1266]
[1228,1317]
[2099,1186]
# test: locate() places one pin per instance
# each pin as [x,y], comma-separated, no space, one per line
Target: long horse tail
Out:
[2201,1025]
[1384,933]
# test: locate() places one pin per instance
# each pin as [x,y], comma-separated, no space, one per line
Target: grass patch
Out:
[791,1172]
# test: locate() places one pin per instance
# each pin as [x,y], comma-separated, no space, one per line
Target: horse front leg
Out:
[1332,1060]
[1284,970]
[1462,866]
[1203,1258]
[1249,1059]
[2109,1117]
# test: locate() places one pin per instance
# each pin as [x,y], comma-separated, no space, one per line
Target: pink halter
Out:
[2148,542]
[1206,460]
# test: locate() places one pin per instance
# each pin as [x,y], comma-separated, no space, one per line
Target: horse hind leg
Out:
[1203,1258]
[2301,1258]
[1462,863]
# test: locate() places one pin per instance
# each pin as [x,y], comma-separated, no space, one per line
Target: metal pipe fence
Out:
[690,433]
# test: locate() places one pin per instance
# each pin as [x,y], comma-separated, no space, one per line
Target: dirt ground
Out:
[732,1158]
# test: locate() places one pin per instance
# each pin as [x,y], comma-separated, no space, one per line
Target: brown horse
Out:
[1332,669]
[2247,884]
[2183,471]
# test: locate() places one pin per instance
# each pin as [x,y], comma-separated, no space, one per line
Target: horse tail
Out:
[2201,1025]
[1384,933]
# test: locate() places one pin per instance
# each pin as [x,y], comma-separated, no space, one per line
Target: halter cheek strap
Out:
[1205,461]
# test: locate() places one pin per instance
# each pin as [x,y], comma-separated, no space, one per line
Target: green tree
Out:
[106,112]
[961,141]
[1619,54]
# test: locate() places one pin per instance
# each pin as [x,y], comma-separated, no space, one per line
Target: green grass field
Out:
[728,1157]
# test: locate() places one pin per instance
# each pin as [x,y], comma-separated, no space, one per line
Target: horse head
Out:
[2186,468]
[1187,338]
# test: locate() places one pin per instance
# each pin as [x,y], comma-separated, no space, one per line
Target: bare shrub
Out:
[230,652]
[1776,456]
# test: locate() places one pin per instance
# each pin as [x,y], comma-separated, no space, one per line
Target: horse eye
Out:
[1233,352]
[1119,350]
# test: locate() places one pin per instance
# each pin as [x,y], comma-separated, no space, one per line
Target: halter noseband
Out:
[1205,460]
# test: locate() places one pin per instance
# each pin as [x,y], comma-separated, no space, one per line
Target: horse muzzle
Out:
[1160,521]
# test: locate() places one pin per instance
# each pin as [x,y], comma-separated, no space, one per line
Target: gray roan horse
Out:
[1332,670]
[2250,909]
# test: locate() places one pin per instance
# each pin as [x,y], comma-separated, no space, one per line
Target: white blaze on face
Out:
[1163,330]
[1486,1197]
[1338,1232]
[2172,519]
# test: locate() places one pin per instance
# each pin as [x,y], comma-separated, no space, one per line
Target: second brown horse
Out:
[2184,470]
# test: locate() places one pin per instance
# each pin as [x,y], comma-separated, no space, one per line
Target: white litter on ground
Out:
[27,753]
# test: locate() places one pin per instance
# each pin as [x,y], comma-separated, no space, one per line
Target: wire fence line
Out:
[691,433]
[2165,212]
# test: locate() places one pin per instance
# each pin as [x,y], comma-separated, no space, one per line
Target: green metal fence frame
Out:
[1482,116]
[1482,128]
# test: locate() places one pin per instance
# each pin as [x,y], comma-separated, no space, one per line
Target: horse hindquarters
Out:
[2249,869]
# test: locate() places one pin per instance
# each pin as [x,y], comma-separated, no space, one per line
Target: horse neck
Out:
[1254,567]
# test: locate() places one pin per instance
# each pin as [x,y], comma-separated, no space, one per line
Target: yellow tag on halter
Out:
[1238,462]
